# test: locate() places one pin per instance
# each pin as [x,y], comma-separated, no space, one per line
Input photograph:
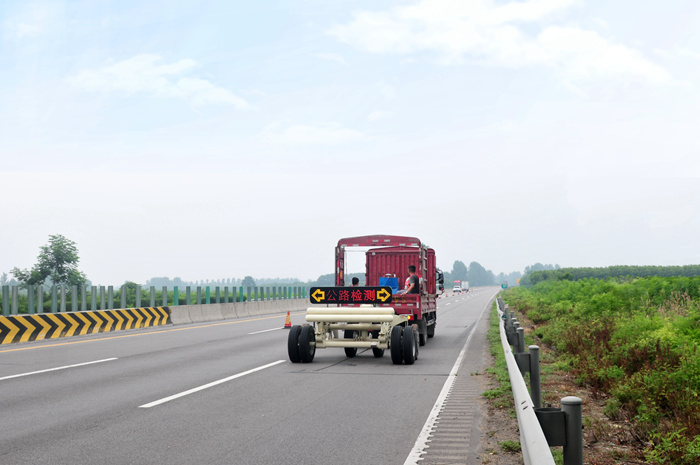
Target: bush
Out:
[635,339]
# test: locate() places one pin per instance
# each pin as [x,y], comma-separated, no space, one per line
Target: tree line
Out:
[575,274]
[57,264]
[477,275]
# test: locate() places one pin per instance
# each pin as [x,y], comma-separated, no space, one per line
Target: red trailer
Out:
[387,261]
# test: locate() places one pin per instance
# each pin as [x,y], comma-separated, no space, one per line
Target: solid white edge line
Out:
[57,368]
[206,386]
[265,331]
[421,443]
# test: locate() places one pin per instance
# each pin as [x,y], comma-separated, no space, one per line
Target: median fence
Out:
[34,314]
[18,300]
[539,427]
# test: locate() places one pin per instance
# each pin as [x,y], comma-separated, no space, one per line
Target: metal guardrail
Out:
[539,427]
[16,300]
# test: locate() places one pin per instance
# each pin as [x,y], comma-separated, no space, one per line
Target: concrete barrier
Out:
[180,315]
[185,314]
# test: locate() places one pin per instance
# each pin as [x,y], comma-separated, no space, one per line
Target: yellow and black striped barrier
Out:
[22,328]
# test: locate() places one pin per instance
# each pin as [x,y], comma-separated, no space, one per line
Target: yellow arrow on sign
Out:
[319,295]
[383,295]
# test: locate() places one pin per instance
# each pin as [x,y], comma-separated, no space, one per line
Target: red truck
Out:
[387,261]
[373,316]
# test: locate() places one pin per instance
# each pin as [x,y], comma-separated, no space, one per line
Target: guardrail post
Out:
[199,295]
[5,300]
[93,298]
[153,296]
[573,449]
[137,301]
[122,299]
[40,298]
[63,299]
[74,298]
[217,298]
[225,294]
[83,297]
[249,290]
[165,296]
[15,300]
[521,340]
[512,335]
[176,296]
[54,299]
[207,295]
[103,303]
[535,387]
[30,299]
[110,297]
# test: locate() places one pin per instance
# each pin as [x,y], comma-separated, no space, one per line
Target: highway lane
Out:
[334,409]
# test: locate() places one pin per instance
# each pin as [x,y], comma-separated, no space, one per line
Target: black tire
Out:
[417,338]
[395,345]
[431,328]
[409,346]
[293,344]
[307,344]
[350,352]
[378,353]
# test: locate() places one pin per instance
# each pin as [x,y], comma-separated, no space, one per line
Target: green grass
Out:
[510,446]
[636,340]
[502,394]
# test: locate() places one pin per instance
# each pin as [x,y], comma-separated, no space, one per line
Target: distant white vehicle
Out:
[457,290]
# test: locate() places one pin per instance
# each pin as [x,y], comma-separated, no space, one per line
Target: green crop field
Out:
[635,340]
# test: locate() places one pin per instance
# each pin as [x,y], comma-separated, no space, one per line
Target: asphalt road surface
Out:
[226,393]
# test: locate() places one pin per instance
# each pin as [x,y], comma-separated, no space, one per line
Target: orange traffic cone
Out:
[288,321]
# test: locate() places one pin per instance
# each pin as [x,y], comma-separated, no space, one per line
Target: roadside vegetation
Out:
[500,395]
[631,341]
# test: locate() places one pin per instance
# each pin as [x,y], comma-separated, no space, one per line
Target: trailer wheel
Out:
[378,353]
[293,344]
[422,332]
[307,344]
[395,347]
[350,352]
[409,346]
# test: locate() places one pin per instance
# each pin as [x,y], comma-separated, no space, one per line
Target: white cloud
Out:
[387,90]
[144,74]
[332,57]
[582,55]
[27,30]
[601,23]
[378,115]
[684,52]
[317,134]
[451,30]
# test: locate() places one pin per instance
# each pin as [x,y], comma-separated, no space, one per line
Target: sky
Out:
[220,139]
